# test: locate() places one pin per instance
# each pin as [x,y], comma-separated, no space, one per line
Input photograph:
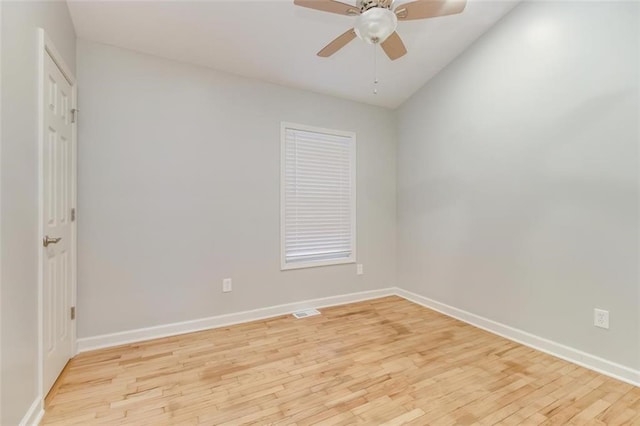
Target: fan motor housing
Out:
[365,5]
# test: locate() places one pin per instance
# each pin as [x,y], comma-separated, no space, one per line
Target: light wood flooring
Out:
[382,361]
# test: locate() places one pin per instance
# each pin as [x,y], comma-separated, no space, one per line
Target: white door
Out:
[57,167]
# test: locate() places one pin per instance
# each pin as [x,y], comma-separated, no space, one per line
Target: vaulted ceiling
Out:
[275,41]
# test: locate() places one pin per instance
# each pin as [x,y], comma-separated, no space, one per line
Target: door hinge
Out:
[74,115]
[73,312]
[73,214]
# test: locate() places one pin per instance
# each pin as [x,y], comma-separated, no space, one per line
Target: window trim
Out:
[300,265]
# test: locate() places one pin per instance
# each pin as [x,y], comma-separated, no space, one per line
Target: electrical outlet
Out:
[359,269]
[226,285]
[601,318]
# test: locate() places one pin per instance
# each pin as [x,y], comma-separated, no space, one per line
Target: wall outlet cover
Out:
[226,285]
[601,318]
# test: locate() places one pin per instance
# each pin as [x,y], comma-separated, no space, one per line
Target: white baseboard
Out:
[34,414]
[567,353]
[141,334]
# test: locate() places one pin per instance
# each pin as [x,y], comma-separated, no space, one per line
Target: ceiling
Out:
[275,41]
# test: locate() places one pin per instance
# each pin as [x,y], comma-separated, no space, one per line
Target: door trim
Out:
[47,48]
[0,202]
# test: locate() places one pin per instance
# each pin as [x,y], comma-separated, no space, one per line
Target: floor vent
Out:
[306,313]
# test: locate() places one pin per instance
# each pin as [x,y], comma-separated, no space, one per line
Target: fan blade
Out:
[422,9]
[337,44]
[394,47]
[329,6]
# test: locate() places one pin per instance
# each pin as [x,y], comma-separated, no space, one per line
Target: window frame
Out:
[284,266]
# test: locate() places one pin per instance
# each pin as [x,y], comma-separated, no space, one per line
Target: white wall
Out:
[518,177]
[179,173]
[19,191]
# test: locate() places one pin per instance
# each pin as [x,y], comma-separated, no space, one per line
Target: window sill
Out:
[302,265]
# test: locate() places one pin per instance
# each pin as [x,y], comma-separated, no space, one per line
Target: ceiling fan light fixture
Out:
[375,25]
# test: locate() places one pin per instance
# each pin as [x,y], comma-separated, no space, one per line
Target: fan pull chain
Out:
[375,69]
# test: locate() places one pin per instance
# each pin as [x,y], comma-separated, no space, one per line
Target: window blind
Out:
[318,197]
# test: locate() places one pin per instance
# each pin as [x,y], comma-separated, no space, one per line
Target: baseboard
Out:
[34,414]
[567,353]
[141,334]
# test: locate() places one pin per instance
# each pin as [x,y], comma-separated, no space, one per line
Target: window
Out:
[318,196]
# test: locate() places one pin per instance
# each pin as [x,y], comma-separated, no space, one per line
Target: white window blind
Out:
[318,197]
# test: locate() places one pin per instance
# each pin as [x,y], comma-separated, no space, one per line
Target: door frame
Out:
[0,201]
[46,47]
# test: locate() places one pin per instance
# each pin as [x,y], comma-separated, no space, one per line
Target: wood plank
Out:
[385,361]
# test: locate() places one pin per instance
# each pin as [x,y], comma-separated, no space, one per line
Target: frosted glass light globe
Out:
[375,25]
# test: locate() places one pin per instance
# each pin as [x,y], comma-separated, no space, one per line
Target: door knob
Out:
[48,240]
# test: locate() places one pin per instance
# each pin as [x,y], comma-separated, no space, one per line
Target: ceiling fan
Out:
[377,20]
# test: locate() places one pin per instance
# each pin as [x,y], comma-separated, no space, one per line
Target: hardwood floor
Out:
[382,361]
